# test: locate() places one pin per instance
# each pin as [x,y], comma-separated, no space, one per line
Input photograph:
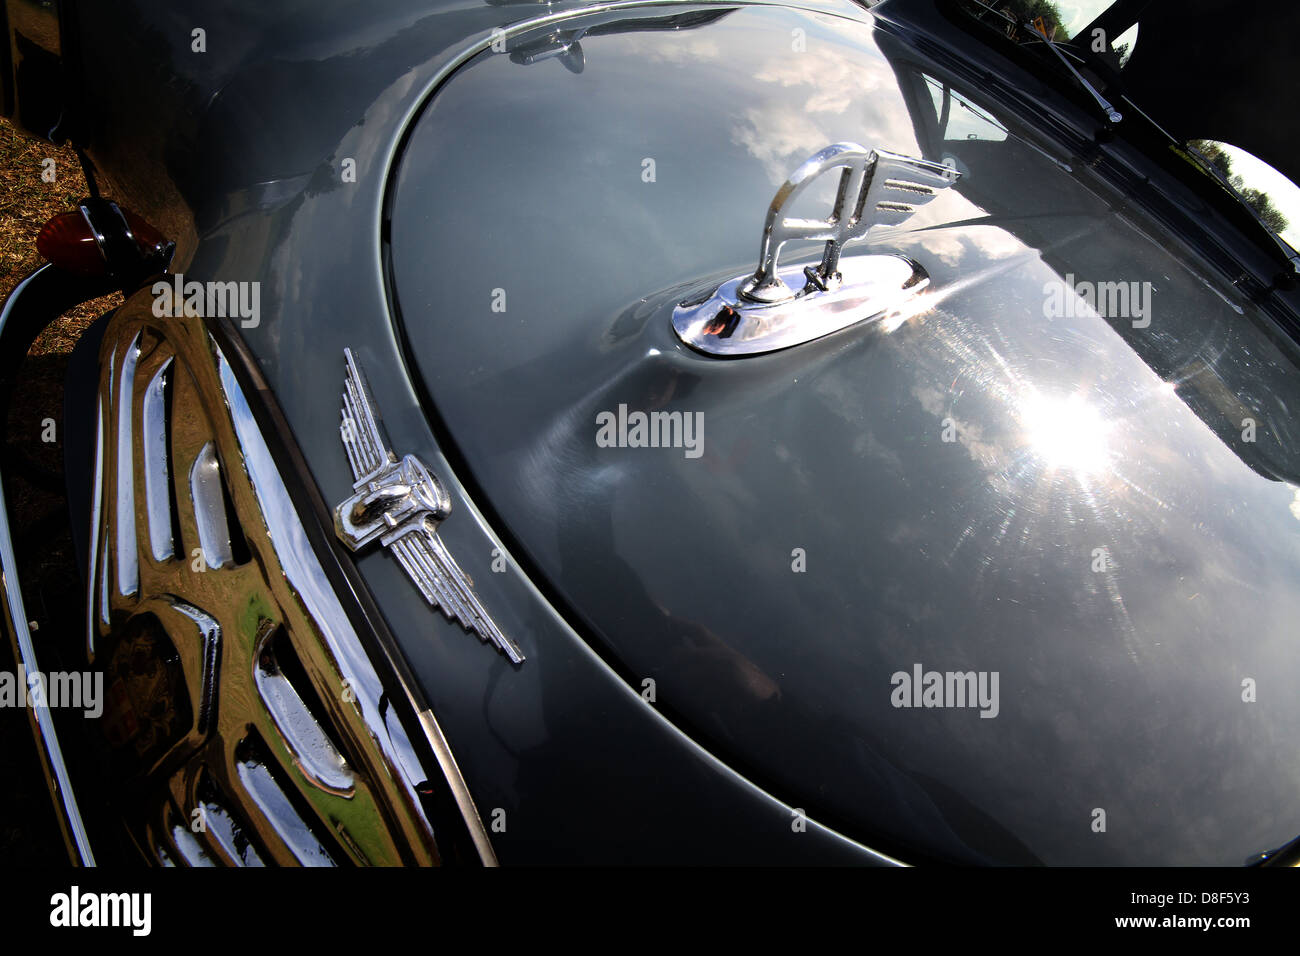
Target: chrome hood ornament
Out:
[401,503]
[763,312]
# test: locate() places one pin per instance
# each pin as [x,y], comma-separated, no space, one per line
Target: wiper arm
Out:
[1029,27]
[1112,114]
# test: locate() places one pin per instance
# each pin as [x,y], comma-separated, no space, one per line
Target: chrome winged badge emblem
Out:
[775,308]
[400,504]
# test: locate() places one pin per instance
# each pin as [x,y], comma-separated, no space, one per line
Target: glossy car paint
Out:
[570,763]
[1119,690]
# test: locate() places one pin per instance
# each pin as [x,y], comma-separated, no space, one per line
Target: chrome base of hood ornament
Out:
[401,503]
[762,312]
[727,324]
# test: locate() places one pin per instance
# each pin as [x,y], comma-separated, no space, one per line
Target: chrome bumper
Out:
[34,302]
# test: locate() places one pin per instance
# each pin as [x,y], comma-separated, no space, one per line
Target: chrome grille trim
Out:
[302,734]
[275,805]
[292,749]
[157,483]
[210,634]
[226,832]
[208,498]
[105,602]
[188,848]
[128,570]
[94,555]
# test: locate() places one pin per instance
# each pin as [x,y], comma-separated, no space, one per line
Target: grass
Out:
[27,202]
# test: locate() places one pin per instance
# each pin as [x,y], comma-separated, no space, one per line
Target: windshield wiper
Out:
[1017,29]
[1112,114]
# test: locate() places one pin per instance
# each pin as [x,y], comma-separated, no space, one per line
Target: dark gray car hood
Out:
[1097,531]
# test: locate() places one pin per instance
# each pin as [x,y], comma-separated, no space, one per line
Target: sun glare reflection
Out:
[1066,433]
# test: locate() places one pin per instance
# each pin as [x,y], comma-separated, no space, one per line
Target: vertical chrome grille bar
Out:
[157,488]
[128,566]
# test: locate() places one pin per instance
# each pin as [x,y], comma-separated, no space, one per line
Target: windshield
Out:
[1079,25]
[1273,197]
[1093,41]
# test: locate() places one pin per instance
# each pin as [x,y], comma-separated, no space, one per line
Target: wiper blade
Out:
[1112,114]
[1016,26]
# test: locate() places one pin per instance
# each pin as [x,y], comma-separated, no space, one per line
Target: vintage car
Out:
[668,432]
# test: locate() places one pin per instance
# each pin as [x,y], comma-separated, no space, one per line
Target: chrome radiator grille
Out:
[252,727]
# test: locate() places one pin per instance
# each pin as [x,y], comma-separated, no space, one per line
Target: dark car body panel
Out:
[581,766]
[1120,690]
